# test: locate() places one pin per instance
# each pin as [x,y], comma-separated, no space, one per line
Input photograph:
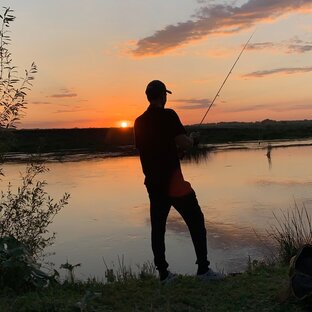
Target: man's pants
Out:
[190,211]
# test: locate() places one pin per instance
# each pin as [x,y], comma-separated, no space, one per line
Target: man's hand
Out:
[195,137]
[183,142]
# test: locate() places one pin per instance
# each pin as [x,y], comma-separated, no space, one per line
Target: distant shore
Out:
[113,142]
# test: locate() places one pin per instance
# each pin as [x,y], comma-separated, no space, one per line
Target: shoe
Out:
[169,279]
[210,275]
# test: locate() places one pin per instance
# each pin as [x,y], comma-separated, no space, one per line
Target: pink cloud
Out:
[286,70]
[217,19]
[293,45]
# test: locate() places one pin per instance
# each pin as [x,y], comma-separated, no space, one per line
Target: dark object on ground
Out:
[301,273]
[18,269]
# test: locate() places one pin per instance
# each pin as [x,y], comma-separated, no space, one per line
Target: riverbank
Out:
[121,140]
[195,154]
[258,289]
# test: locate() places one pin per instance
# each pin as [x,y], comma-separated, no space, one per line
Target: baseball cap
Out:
[156,88]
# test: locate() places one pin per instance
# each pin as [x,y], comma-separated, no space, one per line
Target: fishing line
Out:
[224,81]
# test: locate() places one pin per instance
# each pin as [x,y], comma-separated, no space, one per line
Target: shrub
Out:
[26,214]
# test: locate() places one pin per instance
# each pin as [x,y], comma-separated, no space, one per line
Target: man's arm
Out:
[182,141]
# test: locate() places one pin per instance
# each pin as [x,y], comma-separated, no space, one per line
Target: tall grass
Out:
[292,230]
[122,273]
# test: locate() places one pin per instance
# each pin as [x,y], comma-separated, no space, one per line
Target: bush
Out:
[26,214]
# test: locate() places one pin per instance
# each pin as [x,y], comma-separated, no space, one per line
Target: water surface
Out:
[108,214]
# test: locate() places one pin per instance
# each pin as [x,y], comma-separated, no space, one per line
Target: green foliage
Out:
[13,88]
[292,230]
[27,213]
[18,269]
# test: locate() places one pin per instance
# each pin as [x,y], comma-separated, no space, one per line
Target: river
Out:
[238,187]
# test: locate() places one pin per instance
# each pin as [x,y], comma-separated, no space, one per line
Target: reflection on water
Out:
[268,155]
[220,235]
[198,154]
[203,151]
[293,182]
[108,214]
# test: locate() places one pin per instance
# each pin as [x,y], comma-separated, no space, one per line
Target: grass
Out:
[262,288]
[293,229]
[256,290]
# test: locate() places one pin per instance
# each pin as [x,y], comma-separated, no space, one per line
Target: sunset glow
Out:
[101,80]
[124,124]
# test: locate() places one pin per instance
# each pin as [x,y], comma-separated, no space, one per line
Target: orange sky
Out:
[95,59]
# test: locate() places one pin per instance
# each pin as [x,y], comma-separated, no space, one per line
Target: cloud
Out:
[285,70]
[63,95]
[193,103]
[274,107]
[40,102]
[300,48]
[73,109]
[303,106]
[261,46]
[291,107]
[217,19]
[293,45]
[59,124]
[245,108]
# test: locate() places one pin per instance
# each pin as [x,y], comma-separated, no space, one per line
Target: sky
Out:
[95,58]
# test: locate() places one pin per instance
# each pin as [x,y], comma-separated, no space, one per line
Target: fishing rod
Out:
[224,81]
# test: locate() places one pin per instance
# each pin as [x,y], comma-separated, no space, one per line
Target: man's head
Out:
[156,92]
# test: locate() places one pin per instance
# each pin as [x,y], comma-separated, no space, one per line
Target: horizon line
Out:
[186,125]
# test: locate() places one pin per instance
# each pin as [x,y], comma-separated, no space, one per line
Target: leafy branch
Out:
[13,89]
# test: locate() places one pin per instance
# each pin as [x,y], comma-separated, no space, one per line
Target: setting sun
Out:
[124,124]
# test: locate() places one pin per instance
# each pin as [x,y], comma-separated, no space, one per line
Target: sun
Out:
[124,124]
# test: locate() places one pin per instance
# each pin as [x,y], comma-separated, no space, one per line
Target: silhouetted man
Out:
[159,135]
